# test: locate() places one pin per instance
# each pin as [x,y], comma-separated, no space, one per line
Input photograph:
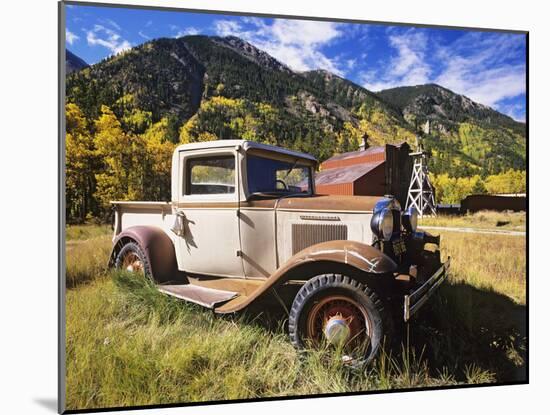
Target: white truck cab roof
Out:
[246,145]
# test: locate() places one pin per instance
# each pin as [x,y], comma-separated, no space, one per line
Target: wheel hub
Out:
[337,330]
[339,320]
[132,263]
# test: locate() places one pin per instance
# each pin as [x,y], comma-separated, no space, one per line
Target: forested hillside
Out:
[126,114]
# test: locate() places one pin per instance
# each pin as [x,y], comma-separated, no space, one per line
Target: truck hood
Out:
[316,203]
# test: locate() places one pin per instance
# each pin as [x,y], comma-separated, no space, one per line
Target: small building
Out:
[370,171]
[475,203]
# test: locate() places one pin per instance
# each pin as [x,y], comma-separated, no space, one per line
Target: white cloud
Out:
[410,64]
[113,24]
[515,111]
[488,86]
[350,63]
[228,28]
[188,31]
[70,37]
[304,32]
[480,68]
[108,38]
[296,43]
[407,66]
[143,35]
[373,82]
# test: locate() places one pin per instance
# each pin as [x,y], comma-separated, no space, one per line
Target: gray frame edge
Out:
[61,329]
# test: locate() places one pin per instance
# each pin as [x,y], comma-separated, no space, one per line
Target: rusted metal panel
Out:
[370,155]
[356,254]
[157,247]
[336,189]
[345,174]
[328,203]
[320,201]
[207,297]
[398,171]
[371,184]
[375,171]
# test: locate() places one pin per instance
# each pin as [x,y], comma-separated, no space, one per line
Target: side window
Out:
[210,175]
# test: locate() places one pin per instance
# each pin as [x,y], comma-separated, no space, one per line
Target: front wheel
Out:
[338,311]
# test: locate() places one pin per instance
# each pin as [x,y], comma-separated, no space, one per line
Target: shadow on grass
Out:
[460,327]
[465,325]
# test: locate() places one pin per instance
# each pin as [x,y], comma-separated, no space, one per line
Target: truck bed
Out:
[130,213]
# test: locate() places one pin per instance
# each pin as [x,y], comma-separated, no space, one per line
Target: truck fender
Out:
[156,245]
[351,253]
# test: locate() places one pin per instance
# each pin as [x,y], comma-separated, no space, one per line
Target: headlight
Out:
[410,219]
[382,224]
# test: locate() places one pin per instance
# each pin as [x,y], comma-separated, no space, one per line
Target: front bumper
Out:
[416,299]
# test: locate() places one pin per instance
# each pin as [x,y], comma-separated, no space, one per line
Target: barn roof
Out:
[361,153]
[358,153]
[346,174]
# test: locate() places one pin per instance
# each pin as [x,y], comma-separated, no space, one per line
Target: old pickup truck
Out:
[244,224]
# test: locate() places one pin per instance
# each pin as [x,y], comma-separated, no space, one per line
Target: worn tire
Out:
[323,286]
[132,248]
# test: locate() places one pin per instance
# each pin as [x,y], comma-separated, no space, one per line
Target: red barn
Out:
[374,171]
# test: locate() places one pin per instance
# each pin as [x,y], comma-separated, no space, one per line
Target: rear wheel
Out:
[337,311]
[131,258]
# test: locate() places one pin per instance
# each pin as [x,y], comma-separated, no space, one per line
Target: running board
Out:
[207,297]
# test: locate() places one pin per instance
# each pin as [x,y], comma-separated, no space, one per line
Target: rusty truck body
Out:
[244,224]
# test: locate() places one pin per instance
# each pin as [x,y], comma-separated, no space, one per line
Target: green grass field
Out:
[129,345]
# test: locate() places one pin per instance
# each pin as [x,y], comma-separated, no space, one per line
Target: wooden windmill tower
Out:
[421,192]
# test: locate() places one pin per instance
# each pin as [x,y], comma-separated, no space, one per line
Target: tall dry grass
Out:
[147,348]
[481,220]
[488,262]
[87,251]
[127,344]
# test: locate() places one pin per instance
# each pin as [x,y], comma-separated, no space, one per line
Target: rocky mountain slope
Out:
[443,108]
[73,63]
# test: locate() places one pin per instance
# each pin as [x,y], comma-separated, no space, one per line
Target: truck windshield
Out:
[275,177]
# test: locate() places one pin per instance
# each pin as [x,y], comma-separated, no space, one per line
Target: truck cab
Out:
[244,222]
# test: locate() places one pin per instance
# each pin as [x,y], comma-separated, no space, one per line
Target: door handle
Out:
[178,227]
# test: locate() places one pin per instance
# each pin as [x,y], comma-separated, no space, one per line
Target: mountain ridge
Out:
[185,80]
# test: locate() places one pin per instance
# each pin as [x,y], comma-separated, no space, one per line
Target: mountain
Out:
[224,87]
[206,83]
[443,107]
[73,63]
[467,137]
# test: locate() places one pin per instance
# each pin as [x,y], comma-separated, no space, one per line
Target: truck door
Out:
[208,206]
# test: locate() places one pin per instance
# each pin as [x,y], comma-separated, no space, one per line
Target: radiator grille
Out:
[304,235]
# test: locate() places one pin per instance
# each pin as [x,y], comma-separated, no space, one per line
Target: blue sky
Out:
[488,67]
